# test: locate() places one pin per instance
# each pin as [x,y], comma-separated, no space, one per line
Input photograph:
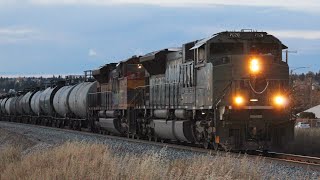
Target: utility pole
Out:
[287,54]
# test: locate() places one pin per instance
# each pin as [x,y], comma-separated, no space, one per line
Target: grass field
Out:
[96,161]
[76,160]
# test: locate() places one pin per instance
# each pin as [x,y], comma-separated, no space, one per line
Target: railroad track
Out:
[312,163]
[308,161]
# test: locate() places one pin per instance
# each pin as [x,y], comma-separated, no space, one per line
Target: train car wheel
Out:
[206,145]
[216,147]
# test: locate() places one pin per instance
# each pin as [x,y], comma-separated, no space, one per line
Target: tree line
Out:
[26,83]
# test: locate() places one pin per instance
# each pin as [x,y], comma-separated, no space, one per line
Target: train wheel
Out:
[206,145]
[65,123]
[57,123]
[70,124]
[216,147]
[80,125]
[62,124]
[75,125]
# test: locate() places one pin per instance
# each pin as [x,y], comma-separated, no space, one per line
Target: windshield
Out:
[266,48]
[226,48]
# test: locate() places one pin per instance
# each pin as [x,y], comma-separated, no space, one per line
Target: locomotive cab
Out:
[251,86]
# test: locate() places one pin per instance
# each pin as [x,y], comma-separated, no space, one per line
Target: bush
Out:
[307,115]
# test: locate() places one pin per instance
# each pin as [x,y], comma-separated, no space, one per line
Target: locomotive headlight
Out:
[254,66]
[238,100]
[280,100]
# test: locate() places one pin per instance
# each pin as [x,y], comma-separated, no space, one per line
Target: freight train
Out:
[228,91]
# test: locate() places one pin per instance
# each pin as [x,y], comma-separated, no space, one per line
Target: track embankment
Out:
[34,139]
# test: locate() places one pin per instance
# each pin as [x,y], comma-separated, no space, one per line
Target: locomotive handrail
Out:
[261,92]
[100,92]
[141,89]
[100,99]
[156,85]
[134,98]
[248,79]
[223,93]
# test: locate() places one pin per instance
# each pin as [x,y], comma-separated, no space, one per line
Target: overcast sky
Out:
[70,36]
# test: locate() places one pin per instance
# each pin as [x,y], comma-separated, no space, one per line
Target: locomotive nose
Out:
[260,80]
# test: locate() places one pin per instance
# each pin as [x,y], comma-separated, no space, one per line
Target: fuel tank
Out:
[26,103]
[3,104]
[46,100]
[60,100]
[19,109]
[110,124]
[10,106]
[13,108]
[0,105]
[175,130]
[78,98]
[35,103]
[163,114]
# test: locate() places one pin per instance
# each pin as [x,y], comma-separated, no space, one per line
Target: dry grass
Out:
[9,155]
[96,161]
[306,142]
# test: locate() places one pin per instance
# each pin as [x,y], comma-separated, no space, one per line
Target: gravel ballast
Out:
[33,138]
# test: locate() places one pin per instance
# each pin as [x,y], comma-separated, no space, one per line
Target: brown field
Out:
[306,142]
[20,159]
[95,161]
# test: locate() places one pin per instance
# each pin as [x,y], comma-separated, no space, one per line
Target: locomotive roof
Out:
[155,62]
[132,60]
[238,36]
[152,55]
